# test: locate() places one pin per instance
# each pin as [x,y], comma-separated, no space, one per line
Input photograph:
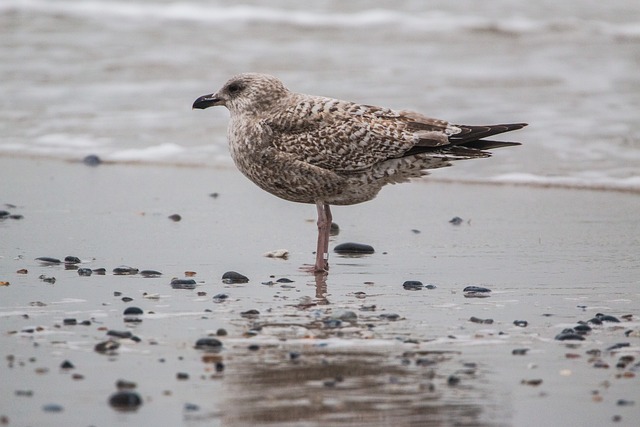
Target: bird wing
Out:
[348,137]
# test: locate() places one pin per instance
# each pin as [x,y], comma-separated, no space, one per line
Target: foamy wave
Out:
[432,21]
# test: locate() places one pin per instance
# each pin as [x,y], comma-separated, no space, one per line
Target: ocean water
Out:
[117,78]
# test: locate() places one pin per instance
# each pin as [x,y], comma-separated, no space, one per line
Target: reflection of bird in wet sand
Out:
[311,149]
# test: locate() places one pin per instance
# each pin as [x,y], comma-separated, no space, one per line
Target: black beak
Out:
[206,101]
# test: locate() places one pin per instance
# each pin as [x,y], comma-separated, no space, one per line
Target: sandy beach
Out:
[355,349]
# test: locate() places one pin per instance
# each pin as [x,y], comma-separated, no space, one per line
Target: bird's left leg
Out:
[324,226]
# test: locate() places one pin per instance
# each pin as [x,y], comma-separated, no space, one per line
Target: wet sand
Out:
[551,257]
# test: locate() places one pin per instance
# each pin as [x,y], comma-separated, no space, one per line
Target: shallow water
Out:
[118,79]
[551,257]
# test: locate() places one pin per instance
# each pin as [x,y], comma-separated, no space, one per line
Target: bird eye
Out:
[234,88]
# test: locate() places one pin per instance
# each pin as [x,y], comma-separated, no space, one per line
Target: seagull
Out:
[325,151]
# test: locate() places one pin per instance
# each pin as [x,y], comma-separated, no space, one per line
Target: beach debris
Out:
[277,253]
[175,217]
[412,285]
[48,260]
[125,270]
[521,323]
[231,277]
[476,292]
[351,248]
[22,271]
[4,283]
[125,400]
[91,160]
[47,279]
[534,382]
[183,283]
[456,220]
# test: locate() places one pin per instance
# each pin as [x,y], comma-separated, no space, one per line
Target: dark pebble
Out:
[125,270]
[67,365]
[48,260]
[482,321]
[214,195]
[430,286]
[208,344]
[91,160]
[132,311]
[4,214]
[127,299]
[521,323]
[389,316]
[231,277]
[412,285]
[351,248]
[250,314]
[125,400]
[107,346]
[125,385]
[119,334]
[52,407]
[284,280]
[456,220]
[453,380]
[175,217]
[84,272]
[607,318]
[595,321]
[182,376]
[254,347]
[220,297]
[100,271]
[601,364]
[582,328]
[623,402]
[221,332]
[476,292]
[294,355]
[72,260]
[150,273]
[183,284]
[535,382]
[519,351]
[16,216]
[334,230]
[191,407]
[219,366]
[69,321]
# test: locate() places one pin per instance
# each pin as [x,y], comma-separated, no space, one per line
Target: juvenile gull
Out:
[312,149]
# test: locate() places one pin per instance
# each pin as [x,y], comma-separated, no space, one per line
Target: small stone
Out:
[284,280]
[125,385]
[191,407]
[607,318]
[108,346]
[534,382]
[332,323]
[183,284]
[351,248]
[69,321]
[22,271]
[456,220]
[476,292]
[125,270]
[220,297]
[412,285]
[569,335]
[52,407]
[254,347]
[519,351]
[277,253]
[67,365]
[453,380]
[619,346]
[521,323]
[208,343]
[582,328]
[100,271]
[127,299]
[91,160]
[175,217]
[119,334]
[125,400]
[182,376]
[72,260]
[231,277]
[389,316]
[250,314]
[624,402]
[221,332]
[334,229]
[482,321]
[47,279]
[132,311]
[84,272]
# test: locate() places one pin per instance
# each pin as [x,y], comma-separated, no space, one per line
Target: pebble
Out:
[231,277]
[108,346]
[183,284]
[22,271]
[534,382]
[250,314]
[100,271]
[132,311]
[412,285]
[476,292]
[119,334]
[48,260]
[284,280]
[334,229]
[67,365]
[254,347]
[208,343]
[72,260]
[582,328]
[84,272]
[125,270]
[220,297]
[127,299]
[47,279]
[569,335]
[125,385]
[221,332]
[175,217]
[69,321]
[91,160]
[277,253]
[150,273]
[453,380]
[521,323]
[351,248]
[125,400]
[519,351]
[619,346]
[182,376]
[389,316]
[456,220]
[607,318]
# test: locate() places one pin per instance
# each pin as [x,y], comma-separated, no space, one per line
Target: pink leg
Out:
[324,226]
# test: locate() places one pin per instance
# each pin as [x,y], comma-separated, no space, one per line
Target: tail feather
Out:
[475,133]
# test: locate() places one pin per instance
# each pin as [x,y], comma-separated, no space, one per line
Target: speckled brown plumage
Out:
[312,149]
